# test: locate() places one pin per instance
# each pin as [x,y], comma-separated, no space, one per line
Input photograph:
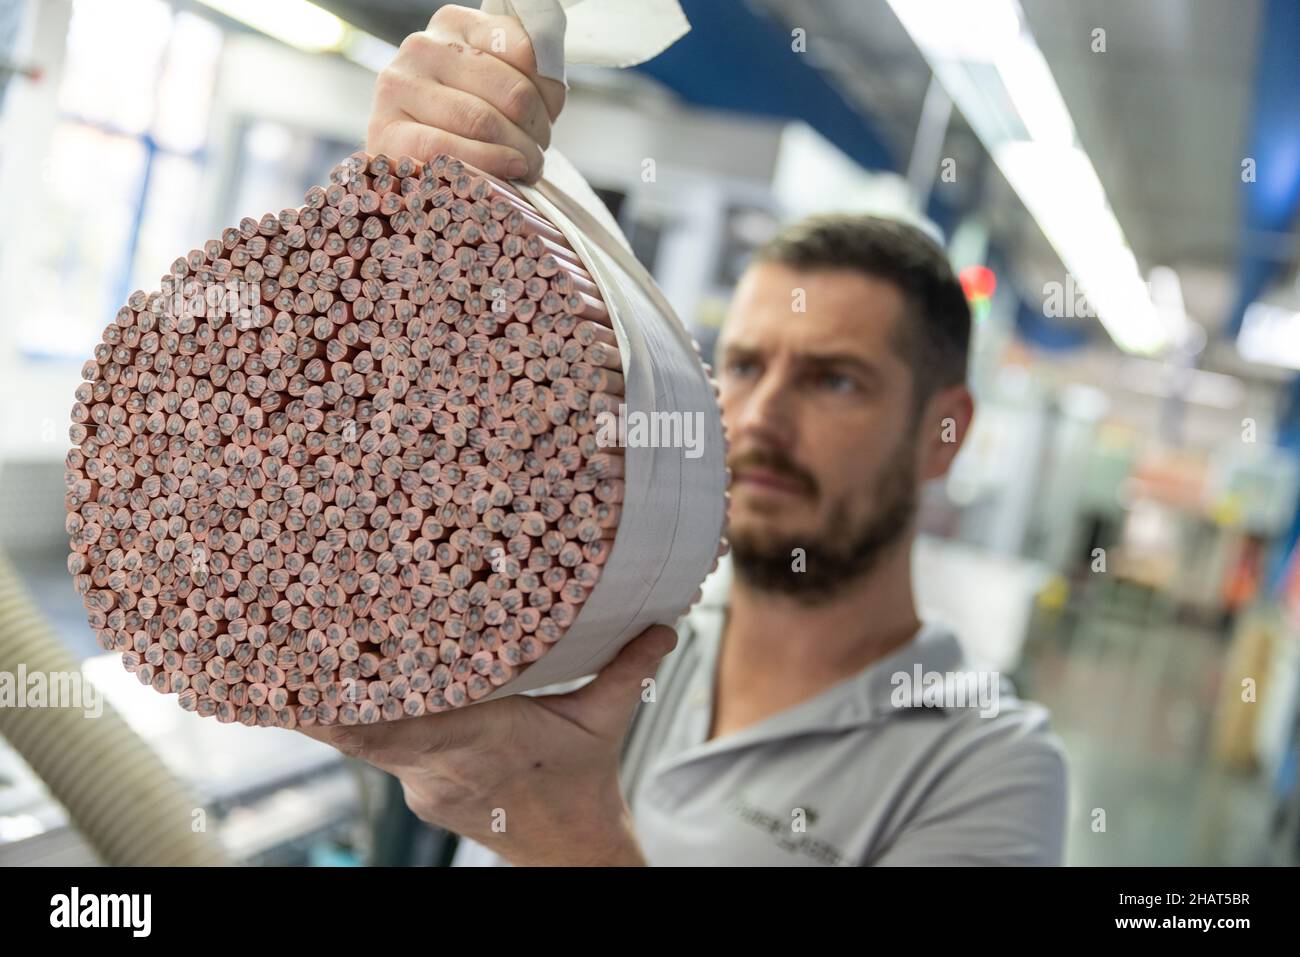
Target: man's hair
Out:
[934,333]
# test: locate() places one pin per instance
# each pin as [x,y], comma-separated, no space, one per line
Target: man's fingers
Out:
[513,94]
[422,142]
[504,38]
[390,743]
[605,704]
[446,108]
[467,86]
[457,64]
[353,741]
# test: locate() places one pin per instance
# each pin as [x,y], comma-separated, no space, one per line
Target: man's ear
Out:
[944,424]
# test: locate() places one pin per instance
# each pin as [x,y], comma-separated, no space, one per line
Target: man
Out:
[788,726]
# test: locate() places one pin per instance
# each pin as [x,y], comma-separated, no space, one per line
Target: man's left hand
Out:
[533,778]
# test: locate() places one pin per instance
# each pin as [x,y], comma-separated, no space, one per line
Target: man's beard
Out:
[840,554]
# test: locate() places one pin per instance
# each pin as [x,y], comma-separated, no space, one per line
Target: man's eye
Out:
[837,382]
[740,367]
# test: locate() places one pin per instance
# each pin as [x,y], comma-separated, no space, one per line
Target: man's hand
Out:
[533,778]
[467,85]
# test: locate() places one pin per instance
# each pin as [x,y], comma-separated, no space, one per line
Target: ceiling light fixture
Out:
[988,62]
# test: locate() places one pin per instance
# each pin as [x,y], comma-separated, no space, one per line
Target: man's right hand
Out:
[467,85]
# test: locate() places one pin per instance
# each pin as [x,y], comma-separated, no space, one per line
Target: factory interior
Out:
[1118,534]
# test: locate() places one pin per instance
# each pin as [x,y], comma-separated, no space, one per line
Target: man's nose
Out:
[764,414]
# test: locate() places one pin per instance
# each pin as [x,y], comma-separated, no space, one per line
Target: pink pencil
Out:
[401,427]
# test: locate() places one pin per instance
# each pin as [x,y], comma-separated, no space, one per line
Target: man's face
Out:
[819,412]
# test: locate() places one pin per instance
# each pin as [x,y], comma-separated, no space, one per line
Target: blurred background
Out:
[1118,183]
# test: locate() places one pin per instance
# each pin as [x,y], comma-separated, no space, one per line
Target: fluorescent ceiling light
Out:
[368,51]
[986,59]
[959,30]
[304,25]
[1028,80]
[1270,335]
[1167,294]
[298,23]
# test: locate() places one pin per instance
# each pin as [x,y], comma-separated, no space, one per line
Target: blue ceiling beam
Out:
[1269,205]
[736,59]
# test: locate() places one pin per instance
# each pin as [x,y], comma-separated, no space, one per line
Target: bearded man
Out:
[785,726]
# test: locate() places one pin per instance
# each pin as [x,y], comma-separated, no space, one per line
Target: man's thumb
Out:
[604,704]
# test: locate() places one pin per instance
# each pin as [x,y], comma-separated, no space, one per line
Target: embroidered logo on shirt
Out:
[788,833]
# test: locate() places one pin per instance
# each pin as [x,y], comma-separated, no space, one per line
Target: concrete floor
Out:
[1134,708]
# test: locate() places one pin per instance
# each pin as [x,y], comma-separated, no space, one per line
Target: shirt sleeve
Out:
[1003,803]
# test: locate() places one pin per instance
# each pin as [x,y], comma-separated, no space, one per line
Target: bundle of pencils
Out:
[344,466]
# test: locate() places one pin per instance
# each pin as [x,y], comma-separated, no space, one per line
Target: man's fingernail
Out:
[517,167]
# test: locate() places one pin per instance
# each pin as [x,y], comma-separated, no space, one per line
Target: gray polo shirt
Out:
[874,770]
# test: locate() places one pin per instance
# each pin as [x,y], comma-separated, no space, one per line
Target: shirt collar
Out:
[855,700]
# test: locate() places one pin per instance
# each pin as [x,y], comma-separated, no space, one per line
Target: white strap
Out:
[617,33]
[594,230]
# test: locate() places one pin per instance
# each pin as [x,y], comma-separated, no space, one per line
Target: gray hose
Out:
[117,792]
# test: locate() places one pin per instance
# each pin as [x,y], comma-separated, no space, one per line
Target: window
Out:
[117,186]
